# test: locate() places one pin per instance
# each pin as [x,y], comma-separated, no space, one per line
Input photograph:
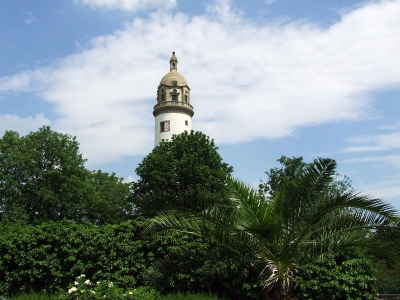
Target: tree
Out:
[287,174]
[110,199]
[276,236]
[190,161]
[42,175]
[43,178]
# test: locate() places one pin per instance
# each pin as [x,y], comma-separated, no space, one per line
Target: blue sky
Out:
[304,78]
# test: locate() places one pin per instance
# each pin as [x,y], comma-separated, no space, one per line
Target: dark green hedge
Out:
[343,277]
[47,257]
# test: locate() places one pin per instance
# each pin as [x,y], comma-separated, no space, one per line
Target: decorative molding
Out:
[173,107]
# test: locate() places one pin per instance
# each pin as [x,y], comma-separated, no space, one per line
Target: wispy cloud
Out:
[394,126]
[29,18]
[392,161]
[129,5]
[22,125]
[386,189]
[248,80]
[378,142]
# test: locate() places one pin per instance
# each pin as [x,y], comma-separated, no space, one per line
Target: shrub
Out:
[340,278]
[84,289]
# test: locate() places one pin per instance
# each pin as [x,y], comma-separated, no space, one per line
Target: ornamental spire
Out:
[173,62]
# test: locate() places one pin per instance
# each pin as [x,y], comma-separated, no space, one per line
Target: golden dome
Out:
[172,77]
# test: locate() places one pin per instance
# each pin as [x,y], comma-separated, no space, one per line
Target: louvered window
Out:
[164,126]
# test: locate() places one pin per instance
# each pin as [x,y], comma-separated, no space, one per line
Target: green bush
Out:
[84,289]
[43,259]
[347,278]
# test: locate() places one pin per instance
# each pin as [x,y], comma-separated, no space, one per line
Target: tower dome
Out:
[173,112]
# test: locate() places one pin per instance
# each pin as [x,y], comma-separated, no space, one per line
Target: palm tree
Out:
[302,220]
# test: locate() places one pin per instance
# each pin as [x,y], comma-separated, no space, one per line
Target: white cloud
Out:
[394,126]
[130,179]
[248,81]
[386,189]
[392,161]
[22,125]
[29,18]
[129,5]
[270,1]
[378,142]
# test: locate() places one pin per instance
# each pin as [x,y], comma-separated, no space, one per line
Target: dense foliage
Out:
[301,221]
[59,220]
[189,161]
[338,277]
[43,258]
[290,172]
[43,178]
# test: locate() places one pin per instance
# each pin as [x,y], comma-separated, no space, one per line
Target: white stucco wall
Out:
[177,126]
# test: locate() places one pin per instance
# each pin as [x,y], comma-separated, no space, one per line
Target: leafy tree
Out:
[43,178]
[276,236]
[290,170]
[110,200]
[190,161]
[388,272]
[42,175]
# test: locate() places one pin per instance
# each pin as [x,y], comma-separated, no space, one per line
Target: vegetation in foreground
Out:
[303,233]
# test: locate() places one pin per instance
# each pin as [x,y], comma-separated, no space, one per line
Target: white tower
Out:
[173,111]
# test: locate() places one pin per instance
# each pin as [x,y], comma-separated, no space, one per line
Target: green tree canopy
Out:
[43,178]
[291,169]
[42,175]
[110,199]
[278,235]
[190,161]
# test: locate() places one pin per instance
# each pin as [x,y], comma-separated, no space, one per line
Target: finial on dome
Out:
[173,62]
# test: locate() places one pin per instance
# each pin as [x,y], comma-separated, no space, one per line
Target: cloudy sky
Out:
[268,78]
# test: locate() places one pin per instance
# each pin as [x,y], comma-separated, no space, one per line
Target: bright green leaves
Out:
[43,178]
[338,278]
[42,175]
[190,161]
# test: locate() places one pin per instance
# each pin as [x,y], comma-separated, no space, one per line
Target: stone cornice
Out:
[174,107]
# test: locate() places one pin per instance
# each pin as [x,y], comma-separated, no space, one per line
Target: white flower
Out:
[130,293]
[71,290]
[92,292]
[76,282]
[87,282]
[110,284]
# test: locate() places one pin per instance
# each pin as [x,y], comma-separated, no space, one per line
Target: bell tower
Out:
[173,112]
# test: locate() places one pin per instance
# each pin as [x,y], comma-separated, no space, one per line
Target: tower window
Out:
[186,123]
[186,98]
[162,97]
[173,65]
[164,126]
[174,97]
